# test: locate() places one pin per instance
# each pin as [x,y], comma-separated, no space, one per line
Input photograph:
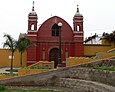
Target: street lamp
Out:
[59,53]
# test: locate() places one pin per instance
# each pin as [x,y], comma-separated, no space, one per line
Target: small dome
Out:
[77,12]
[33,11]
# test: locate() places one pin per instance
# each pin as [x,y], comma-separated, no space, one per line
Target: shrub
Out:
[2,88]
[14,70]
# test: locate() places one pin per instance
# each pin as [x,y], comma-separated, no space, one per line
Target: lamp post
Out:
[59,53]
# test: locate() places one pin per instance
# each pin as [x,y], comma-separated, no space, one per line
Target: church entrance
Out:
[54,56]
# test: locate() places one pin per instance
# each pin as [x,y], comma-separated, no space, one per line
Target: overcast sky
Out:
[99,15]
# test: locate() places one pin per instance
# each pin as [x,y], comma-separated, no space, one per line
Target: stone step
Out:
[88,86]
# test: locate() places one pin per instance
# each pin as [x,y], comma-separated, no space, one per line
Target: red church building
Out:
[46,38]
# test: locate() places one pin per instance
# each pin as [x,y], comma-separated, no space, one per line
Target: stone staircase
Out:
[82,77]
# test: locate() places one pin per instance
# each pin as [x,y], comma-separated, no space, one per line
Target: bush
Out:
[14,70]
[2,88]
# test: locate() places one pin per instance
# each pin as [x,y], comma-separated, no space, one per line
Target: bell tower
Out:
[32,20]
[32,35]
[78,21]
[78,33]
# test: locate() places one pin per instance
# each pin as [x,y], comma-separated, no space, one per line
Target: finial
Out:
[33,6]
[77,8]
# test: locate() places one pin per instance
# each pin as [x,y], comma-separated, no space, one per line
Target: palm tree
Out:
[10,43]
[22,44]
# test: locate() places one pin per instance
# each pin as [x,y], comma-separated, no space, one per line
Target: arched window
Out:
[32,27]
[55,30]
[78,28]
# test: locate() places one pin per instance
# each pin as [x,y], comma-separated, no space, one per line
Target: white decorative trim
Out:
[32,19]
[31,35]
[78,21]
[32,16]
[78,32]
[78,36]
[32,30]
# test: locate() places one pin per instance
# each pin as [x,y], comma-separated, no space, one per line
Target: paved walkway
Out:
[3,70]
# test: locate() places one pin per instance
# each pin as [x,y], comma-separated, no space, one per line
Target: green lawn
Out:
[111,68]
[5,89]
[19,90]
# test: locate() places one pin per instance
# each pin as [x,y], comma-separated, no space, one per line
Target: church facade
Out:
[46,38]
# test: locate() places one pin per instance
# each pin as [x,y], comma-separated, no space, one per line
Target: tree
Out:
[110,37]
[10,43]
[22,44]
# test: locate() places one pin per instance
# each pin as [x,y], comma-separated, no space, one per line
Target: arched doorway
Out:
[54,56]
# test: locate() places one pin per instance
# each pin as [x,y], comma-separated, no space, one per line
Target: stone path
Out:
[3,70]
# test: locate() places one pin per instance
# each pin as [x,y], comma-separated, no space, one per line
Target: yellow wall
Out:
[30,71]
[5,61]
[72,61]
[90,50]
[102,55]
[44,64]
[6,77]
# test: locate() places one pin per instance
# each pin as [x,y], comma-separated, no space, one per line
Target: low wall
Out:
[102,55]
[6,77]
[87,86]
[44,64]
[79,72]
[107,62]
[102,76]
[30,71]
[72,61]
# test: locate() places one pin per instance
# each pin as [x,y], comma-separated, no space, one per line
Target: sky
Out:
[99,15]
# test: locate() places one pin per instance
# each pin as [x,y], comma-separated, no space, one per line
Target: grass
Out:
[111,68]
[8,74]
[4,89]
[20,90]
